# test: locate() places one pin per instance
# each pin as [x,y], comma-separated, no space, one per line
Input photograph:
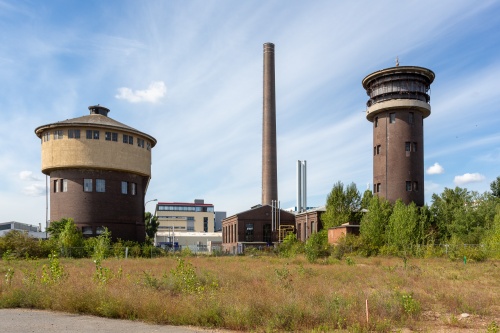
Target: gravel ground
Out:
[26,321]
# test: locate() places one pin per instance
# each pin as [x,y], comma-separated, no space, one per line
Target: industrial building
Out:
[196,216]
[397,106]
[264,224]
[31,230]
[260,226]
[99,173]
[309,222]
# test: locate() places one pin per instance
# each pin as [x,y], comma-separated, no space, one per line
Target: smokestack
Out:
[269,156]
[301,186]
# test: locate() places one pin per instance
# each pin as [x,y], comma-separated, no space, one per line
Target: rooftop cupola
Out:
[98,109]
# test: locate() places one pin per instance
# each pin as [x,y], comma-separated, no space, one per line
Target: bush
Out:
[290,246]
[317,246]
[21,245]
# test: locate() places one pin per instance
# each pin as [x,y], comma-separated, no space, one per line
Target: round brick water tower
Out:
[99,173]
[397,106]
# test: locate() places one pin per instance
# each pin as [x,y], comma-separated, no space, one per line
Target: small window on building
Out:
[56,186]
[99,230]
[148,146]
[267,234]
[379,148]
[107,136]
[74,134]
[58,134]
[411,118]
[415,186]
[124,187]
[114,137]
[374,188]
[374,151]
[65,185]
[414,146]
[392,118]
[376,122]
[249,232]
[407,146]
[133,188]
[100,185]
[125,138]
[87,231]
[205,224]
[87,185]
[96,135]
[378,187]
[140,143]
[89,134]
[46,136]
[130,140]
[408,186]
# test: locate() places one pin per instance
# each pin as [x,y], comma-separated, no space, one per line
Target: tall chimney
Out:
[269,156]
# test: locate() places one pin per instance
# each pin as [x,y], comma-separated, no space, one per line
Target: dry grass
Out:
[266,294]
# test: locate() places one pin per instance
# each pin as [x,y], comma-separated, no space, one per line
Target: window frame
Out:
[124,187]
[87,185]
[100,185]
[408,186]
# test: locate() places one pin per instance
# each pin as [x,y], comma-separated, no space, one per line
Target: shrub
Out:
[290,246]
[317,246]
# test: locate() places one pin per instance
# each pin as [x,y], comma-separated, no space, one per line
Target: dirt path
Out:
[24,321]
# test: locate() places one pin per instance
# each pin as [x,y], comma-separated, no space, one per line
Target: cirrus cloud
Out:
[152,94]
[435,169]
[468,178]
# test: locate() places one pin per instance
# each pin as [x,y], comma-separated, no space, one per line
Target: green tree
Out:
[366,199]
[342,205]
[56,227]
[402,230]
[495,187]
[70,237]
[64,234]
[446,208]
[151,226]
[374,223]
[492,238]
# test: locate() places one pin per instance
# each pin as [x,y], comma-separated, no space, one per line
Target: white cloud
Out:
[152,94]
[34,190]
[436,169]
[468,178]
[27,175]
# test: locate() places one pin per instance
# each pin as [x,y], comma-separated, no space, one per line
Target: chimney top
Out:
[99,109]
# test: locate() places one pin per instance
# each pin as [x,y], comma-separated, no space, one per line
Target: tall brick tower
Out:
[269,155]
[99,172]
[398,104]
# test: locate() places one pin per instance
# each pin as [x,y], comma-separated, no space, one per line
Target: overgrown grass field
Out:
[265,293]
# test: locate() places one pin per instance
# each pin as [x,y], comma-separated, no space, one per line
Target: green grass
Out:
[260,293]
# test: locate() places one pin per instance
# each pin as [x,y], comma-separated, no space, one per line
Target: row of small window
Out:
[186,208]
[392,118]
[94,135]
[61,185]
[88,230]
[168,227]
[410,186]
[266,233]
[409,147]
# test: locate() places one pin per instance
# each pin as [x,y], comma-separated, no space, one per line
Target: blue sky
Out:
[189,73]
